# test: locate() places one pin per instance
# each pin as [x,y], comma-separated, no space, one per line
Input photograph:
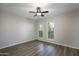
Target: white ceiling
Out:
[22,9]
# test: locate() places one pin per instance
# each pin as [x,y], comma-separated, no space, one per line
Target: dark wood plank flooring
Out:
[39,48]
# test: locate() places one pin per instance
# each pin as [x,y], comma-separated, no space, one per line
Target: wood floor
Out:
[39,48]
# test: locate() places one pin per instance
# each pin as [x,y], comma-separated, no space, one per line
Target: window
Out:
[51,30]
[40,30]
[40,33]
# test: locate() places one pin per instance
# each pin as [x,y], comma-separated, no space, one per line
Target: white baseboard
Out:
[14,44]
[41,40]
[59,43]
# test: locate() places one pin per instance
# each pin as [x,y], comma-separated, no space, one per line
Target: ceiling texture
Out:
[22,9]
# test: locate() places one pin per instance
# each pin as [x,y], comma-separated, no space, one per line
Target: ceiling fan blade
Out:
[32,12]
[45,12]
[42,15]
[35,15]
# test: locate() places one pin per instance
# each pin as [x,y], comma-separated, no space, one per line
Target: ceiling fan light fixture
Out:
[39,14]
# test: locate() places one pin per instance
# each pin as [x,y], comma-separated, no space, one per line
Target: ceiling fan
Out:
[38,12]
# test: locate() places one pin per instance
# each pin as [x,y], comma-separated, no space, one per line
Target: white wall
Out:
[66,32]
[67,29]
[15,30]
